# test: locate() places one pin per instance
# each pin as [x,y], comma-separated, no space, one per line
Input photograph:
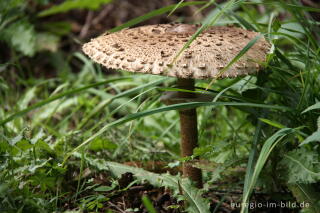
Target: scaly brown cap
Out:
[152,49]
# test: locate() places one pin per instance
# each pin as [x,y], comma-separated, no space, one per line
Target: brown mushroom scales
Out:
[151,49]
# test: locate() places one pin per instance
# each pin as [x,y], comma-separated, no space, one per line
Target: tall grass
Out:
[268,123]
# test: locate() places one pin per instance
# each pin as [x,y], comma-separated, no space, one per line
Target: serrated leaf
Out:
[37,137]
[16,139]
[73,4]
[315,137]
[302,166]
[40,164]
[44,146]
[196,203]
[27,98]
[246,83]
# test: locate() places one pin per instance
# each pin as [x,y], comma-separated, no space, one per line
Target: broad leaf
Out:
[73,4]
[302,166]
[315,137]
[21,36]
[196,204]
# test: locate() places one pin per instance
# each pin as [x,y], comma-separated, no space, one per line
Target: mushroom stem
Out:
[189,132]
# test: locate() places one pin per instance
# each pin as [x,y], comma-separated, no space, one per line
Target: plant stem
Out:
[189,132]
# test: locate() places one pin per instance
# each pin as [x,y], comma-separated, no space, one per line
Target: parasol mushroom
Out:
[152,49]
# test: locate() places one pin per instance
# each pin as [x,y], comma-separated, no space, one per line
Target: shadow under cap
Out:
[152,48]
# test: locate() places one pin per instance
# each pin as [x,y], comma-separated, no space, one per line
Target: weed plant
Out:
[64,119]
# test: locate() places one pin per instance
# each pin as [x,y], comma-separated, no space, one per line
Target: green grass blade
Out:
[168,108]
[236,58]
[56,97]
[210,22]
[241,20]
[175,8]
[313,107]
[272,123]
[252,158]
[288,5]
[73,4]
[314,137]
[155,13]
[147,203]
[240,54]
[205,6]
[120,95]
[267,148]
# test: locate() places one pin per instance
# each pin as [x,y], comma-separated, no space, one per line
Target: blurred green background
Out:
[70,129]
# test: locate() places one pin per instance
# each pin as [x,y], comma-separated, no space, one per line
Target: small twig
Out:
[223,204]
[102,14]
[310,3]
[240,192]
[86,26]
[261,9]
[124,203]
[116,207]
[225,192]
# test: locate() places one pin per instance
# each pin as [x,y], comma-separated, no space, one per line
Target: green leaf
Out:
[315,137]
[105,188]
[241,53]
[39,164]
[100,144]
[8,5]
[137,115]
[44,146]
[196,203]
[47,41]
[24,145]
[302,166]
[276,25]
[207,23]
[58,28]
[148,204]
[267,148]
[37,137]
[312,107]
[175,8]
[246,83]
[16,139]
[21,36]
[73,4]
[252,157]
[272,123]
[53,98]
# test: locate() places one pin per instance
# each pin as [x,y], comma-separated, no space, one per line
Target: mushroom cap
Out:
[152,49]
